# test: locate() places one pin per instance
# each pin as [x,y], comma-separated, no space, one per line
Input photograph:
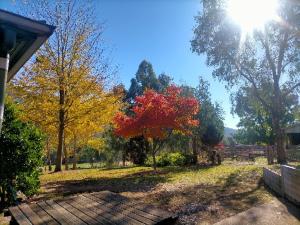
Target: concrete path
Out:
[274,213]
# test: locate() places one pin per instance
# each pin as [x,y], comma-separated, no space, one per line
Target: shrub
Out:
[171,159]
[176,159]
[20,156]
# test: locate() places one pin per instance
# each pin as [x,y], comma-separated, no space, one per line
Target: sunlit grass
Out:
[226,190]
[81,174]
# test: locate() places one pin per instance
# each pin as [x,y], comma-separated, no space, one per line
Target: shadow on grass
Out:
[228,195]
[101,168]
[140,181]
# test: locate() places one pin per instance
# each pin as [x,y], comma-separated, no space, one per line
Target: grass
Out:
[198,195]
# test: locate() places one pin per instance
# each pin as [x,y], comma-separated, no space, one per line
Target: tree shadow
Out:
[291,208]
[231,194]
[141,181]
[227,197]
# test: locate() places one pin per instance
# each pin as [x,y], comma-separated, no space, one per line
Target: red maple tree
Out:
[156,115]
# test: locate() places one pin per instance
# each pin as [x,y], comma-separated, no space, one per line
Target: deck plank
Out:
[105,208]
[121,212]
[107,195]
[140,208]
[19,216]
[45,217]
[126,210]
[89,209]
[158,215]
[113,217]
[31,215]
[70,218]
[89,220]
[55,214]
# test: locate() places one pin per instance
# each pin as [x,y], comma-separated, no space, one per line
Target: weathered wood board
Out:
[91,208]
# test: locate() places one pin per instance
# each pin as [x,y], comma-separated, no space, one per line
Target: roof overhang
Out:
[293,129]
[30,35]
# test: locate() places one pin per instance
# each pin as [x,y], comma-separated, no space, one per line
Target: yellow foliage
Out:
[89,108]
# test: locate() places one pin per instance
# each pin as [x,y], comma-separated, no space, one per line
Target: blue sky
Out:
[160,32]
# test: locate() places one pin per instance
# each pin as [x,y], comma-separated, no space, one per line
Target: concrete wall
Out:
[291,183]
[287,184]
[273,181]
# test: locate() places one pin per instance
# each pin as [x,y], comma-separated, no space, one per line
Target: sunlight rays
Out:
[252,15]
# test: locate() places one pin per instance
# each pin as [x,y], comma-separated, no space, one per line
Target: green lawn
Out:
[197,194]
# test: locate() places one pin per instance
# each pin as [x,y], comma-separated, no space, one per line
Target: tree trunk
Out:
[2,196]
[219,159]
[74,159]
[48,156]
[61,133]
[124,158]
[281,154]
[279,134]
[74,155]
[66,158]
[154,160]
[213,154]
[195,152]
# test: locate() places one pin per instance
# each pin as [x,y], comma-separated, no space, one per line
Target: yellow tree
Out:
[89,116]
[67,83]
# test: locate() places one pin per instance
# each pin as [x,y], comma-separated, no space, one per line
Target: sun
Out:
[252,15]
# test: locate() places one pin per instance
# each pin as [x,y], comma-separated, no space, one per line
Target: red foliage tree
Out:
[156,115]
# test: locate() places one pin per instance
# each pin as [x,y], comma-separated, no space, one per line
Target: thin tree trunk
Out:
[74,155]
[48,156]
[124,158]
[153,151]
[2,193]
[195,152]
[66,157]
[74,159]
[154,160]
[61,133]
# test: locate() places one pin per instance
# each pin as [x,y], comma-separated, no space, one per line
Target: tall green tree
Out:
[255,126]
[212,136]
[145,78]
[268,56]
[210,115]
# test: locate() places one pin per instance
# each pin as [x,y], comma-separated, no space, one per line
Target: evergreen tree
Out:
[145,78]
[210,115]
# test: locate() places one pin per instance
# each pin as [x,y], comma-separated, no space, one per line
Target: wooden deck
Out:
[92,208]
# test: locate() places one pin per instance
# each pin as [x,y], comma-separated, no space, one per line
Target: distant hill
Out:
[229,132]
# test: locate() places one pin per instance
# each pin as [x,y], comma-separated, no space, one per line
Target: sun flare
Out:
[252,15]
